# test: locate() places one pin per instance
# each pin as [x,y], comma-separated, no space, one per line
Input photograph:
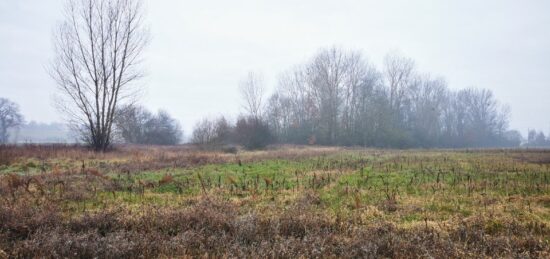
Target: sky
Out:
[200,50]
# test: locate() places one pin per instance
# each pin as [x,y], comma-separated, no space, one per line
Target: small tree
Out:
[512,138]
[253,133]
[203,133]
[540,139]
[531,137]
[10,118]
[162,129]
[223,131]
[137,125]
[212,133]
[252,91]
[130,123]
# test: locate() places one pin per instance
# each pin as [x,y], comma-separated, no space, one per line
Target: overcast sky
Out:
[201,49]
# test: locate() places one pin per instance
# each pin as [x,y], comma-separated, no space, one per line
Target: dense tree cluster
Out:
[249,131]
[253,133]
[537,139]
[339,98]
[137,125]
[212,132]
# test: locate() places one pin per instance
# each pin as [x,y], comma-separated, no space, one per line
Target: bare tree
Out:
[293,109]
[162,129]
[486,119]
[211,132]
[10,117]
[334,77]
[130,121]
[427,100]
[253,133]
[204,132]
[137,125]
[222,129]
[98,50]
[399,73]
[253,91]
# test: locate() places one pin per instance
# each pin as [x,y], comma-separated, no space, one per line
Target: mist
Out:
[199,52]
[274,129]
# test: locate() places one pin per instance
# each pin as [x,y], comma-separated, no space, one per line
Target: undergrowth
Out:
[289,202]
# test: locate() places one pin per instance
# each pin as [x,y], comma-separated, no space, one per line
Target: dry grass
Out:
[287,202]
[132,158]
[218,229]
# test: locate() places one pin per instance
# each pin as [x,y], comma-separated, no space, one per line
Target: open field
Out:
[147,202]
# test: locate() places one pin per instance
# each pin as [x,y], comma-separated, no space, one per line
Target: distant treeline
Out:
[537,139]
[36,132]
[339,98]
[336,98]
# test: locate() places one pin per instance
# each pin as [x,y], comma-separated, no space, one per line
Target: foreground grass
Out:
[281,203]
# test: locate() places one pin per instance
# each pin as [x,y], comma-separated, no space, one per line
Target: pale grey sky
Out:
[201,49]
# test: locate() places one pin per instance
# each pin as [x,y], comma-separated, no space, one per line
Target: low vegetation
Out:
[64,201]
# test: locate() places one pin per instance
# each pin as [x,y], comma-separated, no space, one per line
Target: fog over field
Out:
[274,129]
[200,51]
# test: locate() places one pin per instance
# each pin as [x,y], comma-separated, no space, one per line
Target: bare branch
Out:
[97,61]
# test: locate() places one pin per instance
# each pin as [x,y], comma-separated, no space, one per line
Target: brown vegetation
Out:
[215,228]
[329,203]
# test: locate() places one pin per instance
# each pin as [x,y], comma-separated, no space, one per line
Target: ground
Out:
[288,201]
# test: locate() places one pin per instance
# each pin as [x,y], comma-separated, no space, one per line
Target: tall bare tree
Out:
[399,74]
[253,91]
[10,117]
[98,49]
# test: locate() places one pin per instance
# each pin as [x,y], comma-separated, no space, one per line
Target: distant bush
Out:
[250,132]
[230,149]
[137,125]
[212,133]
[253,133]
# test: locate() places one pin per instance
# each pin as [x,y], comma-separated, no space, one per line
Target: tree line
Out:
[339,98]
[537,139]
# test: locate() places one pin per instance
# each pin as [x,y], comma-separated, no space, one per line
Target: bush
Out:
[253,133]
[136,125]
[211,133]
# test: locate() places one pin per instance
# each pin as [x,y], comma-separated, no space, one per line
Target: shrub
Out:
[253,133]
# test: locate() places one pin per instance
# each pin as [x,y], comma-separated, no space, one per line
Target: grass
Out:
[286,202]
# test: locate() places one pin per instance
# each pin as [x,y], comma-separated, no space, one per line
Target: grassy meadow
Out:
[285,202]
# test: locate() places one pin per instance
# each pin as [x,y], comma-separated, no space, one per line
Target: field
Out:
[64,201]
